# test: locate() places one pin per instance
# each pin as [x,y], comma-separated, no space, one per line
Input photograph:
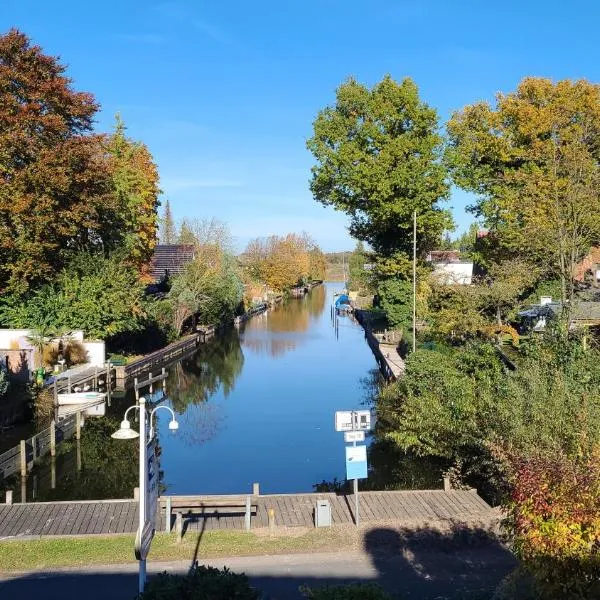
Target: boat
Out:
[342,304]
[80,398]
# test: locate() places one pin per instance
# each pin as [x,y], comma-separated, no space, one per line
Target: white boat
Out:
[94,410]
[80,398]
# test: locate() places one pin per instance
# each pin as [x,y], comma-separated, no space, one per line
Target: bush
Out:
[201,583]
[73,352]
[353,591]
[554,523]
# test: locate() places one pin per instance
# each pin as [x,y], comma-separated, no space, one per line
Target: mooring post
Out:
[256,489]
[271,514]
[168,514]
[52,438]
[78,425]
[96,377]
[53,472]
[136,493]
[9,497]
[23,459]
[447,483]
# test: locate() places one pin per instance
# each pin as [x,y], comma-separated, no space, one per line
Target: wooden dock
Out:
[410,508]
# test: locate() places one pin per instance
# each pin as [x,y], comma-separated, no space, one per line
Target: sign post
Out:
[354,423]
[148,495]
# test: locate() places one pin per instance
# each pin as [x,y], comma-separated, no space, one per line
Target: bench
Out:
[188,506]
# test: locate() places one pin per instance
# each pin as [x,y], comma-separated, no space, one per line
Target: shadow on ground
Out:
[461,563]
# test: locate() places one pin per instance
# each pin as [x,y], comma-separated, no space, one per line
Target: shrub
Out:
[353,591]
[201,583]
[74,353]
[554,522]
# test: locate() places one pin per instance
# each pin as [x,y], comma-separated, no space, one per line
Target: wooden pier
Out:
[408,508]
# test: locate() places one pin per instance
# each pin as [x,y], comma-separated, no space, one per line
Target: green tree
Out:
[534,163]
[135,186]
[377,153]
[102,296]
[167,226]
[358,276]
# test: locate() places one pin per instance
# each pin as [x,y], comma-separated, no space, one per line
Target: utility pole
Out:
[414,320]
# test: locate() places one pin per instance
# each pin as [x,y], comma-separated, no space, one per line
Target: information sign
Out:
[356,462]
[353,420]
[354,436]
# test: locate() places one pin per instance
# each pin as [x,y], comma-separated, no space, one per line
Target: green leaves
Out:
[377,155]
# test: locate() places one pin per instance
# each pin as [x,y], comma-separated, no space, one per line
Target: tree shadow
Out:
[455,562]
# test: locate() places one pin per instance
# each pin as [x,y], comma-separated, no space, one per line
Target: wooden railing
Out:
[21,458]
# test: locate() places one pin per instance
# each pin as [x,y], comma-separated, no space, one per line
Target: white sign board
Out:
[353,420]
[343,420]
[354,436]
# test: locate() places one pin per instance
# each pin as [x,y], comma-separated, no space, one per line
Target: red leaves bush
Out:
[554,522]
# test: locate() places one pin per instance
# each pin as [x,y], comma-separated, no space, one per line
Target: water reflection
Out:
[215,367]
[280,330]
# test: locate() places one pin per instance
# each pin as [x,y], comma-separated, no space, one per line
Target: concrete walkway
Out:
[424,574]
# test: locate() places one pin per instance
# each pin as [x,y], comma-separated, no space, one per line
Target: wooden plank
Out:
[83,518]
[366,507]
[73,519]
[20,512]
[291,511]
[443,499]
[5,515]
[425,500]
[380,509]
[121,517]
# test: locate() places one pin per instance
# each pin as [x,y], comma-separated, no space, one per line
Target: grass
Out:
[44,553]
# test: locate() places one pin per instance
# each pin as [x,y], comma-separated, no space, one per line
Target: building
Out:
[170,259]
[449,269]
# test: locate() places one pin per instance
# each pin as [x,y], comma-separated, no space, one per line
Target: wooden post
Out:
[78,454]
[135,387]
[53,472]
[248,513]
[23,459]
[447,483]
[96,378]
[33,446]
[9,497]
[271,514]
[78,425]
[69,390]
[136,493]
[52,438]
[23,490]
[256,489]
[179,526]
[168,514]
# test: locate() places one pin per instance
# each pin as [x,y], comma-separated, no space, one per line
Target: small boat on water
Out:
[80,398]
[342,304]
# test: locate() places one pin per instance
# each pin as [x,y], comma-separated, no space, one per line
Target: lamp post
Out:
[147,501]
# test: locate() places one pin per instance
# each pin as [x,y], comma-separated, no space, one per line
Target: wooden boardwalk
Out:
[291,510]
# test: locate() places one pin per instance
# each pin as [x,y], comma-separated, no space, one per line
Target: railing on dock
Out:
[21,458]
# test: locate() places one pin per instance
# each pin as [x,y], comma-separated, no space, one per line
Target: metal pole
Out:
[356,502]
[414,340]
[143,487]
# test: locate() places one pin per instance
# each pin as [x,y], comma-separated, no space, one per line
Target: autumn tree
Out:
[55,190]
[135,187]
[534,162]
[377,153]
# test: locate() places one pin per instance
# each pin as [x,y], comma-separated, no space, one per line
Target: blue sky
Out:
[224,93]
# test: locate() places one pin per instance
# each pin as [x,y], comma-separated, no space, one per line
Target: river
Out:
[254,405]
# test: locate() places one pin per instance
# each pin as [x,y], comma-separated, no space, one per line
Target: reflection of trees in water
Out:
[275,348]
[200,423]
[215,366]
[315,300]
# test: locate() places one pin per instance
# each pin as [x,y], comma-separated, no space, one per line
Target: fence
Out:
[21,458]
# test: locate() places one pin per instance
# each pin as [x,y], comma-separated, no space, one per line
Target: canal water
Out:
[258,405]
[254,405]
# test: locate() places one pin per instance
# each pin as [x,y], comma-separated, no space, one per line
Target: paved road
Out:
[470,572]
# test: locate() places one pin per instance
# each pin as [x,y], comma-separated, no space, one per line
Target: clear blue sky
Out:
[224,93]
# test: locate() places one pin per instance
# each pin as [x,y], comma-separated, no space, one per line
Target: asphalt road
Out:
[456,573]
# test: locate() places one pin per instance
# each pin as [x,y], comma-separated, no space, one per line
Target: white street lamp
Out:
[147,501]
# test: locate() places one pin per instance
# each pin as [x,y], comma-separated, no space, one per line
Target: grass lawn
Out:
[27,555]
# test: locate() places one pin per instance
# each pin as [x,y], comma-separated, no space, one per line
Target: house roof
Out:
[170,259]
[444,256]
[583,312]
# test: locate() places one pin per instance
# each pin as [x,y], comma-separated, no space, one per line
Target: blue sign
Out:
[356,462]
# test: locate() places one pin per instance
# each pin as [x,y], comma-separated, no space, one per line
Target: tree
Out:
[167,226]
[377,153]
[534,162]
[102,296]
[135,186]
[55,186]
[358,276]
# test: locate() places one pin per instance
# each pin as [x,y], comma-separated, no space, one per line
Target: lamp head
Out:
[125,432]
[173,425]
